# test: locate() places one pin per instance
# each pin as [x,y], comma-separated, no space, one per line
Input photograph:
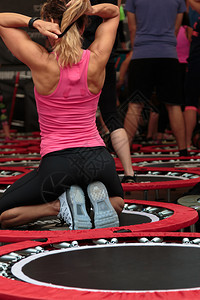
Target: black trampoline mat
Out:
[135,218]
[130,267]
[127,218]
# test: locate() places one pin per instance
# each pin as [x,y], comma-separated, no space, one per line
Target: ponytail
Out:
[67,48]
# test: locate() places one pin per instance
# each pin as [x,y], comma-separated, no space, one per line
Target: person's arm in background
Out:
[178,23]
[195,4]
[132,26]
[187,5]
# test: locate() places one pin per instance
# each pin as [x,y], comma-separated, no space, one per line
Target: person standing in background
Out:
[153,27]
[192,87]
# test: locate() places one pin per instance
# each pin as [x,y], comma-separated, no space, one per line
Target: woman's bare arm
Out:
[19,42]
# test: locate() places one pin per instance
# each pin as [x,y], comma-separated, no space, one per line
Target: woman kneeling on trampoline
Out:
[75,168]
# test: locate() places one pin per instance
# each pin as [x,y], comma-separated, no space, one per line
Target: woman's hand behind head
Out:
[49,29]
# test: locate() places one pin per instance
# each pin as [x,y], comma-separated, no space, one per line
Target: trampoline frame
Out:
[11,289]
[182,217]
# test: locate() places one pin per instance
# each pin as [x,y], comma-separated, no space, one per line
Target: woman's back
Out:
[67,116]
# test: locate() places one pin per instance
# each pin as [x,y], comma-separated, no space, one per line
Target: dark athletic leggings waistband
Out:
[74,150]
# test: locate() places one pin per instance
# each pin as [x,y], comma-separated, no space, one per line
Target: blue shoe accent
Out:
[76,200]
[104,213]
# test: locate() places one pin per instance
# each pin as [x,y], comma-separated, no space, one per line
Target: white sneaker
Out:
[104,213]
[76,200]
[65,213]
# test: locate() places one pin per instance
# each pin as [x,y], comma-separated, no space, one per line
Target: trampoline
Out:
[180,164]
[14,144]
[120,266]
[190,201]
[129,274]
[138,215]
[161,178]
[9,175]
[166,149]
[19,162]
[19,156]
[162,162]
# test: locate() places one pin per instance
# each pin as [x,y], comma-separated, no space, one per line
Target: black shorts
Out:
[161,74]
[192,85]
[59,170]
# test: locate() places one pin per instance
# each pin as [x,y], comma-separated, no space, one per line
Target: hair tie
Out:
[65,31]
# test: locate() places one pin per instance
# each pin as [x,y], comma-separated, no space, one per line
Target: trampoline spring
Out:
[4,274]
[187,175]
[165,213]
[173,174]
[5,173]
[62,245]
[133,207]
[157,240]
[126,206]
[24,253]
[151,209]
[28,251]
[16,173]
[3,267]
[74,244]
[143,240]
[15,254]
[186,241]
[39,248]
[196,241]
[114,241]
[8,258]
[101,242]
[156,173]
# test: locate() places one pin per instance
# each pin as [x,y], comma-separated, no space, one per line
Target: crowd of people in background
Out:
[160,72]
[143,45]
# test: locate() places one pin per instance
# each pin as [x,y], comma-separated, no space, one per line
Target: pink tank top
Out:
[67,117]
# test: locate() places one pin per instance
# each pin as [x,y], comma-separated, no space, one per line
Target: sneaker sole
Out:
[104,213]
[76,200]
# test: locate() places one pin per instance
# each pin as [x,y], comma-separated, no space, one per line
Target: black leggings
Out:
[108,100]
[59,170]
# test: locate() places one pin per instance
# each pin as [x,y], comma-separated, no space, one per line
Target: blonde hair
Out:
[68,47]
